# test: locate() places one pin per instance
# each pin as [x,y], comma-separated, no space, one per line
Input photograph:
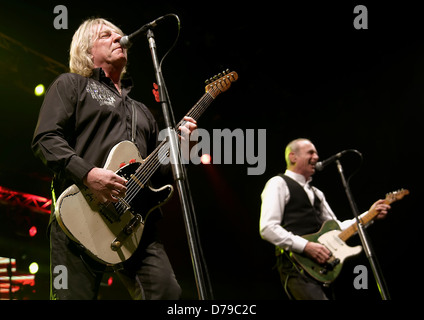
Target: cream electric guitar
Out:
[334,239]
[111,232]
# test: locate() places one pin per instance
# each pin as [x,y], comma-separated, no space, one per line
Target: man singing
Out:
[85,113]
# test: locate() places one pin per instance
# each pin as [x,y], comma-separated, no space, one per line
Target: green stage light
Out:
[39,90]
[33,268]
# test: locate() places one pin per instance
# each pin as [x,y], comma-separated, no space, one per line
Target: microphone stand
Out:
[365,242]
[180,178]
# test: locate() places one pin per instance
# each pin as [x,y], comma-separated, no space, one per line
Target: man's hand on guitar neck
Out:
[187,143]
[381,207]
[317,252]
[106,184]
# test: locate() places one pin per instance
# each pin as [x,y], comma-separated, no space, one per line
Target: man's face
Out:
[305,159]
[107,49]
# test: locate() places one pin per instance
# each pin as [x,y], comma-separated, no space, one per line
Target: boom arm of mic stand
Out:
[362,235]
[180,178]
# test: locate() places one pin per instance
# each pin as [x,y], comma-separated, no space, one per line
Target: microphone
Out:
[126,40]
[320,165]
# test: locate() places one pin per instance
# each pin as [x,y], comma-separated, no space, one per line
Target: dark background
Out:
[304,71]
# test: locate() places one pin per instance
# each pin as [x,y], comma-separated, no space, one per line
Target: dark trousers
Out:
[148,274]
[297,284]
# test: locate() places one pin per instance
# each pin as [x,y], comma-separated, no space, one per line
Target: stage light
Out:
[33,268]
[39,90]
[32,231]
[110,281]
[205,158]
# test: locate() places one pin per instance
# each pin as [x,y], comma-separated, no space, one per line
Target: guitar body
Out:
[328,236]
[96,226]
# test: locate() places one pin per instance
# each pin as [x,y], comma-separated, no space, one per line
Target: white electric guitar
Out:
[111,232]
[334,239]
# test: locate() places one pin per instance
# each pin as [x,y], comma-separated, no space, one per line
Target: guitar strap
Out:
[317,204]
[133,123]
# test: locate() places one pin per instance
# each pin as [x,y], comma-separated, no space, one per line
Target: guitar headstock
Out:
[396,195]
[221,82]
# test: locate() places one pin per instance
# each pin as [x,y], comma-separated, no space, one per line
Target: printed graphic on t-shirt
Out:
[100,93]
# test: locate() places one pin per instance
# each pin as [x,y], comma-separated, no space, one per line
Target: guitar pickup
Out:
[133,224]
[329,265]
[126,232]
[333,263]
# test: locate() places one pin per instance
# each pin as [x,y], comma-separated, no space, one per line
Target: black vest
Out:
[300,216]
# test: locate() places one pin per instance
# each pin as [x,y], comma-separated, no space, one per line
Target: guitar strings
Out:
[149,166]
[195,112]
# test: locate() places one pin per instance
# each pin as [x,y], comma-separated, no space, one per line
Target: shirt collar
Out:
[298,177]
[99,75]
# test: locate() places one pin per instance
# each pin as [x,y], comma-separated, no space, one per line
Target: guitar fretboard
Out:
[372,214]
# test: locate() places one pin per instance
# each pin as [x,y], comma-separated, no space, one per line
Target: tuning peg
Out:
[207,81]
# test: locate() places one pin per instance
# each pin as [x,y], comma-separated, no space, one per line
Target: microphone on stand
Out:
[126,40]
[322,164]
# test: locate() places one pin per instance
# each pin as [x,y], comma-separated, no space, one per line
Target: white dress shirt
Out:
[275,196]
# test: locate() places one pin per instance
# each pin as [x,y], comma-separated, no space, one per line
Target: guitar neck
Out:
[161,153]
[350,231]
[153,161]
[371,214]
[200,107]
